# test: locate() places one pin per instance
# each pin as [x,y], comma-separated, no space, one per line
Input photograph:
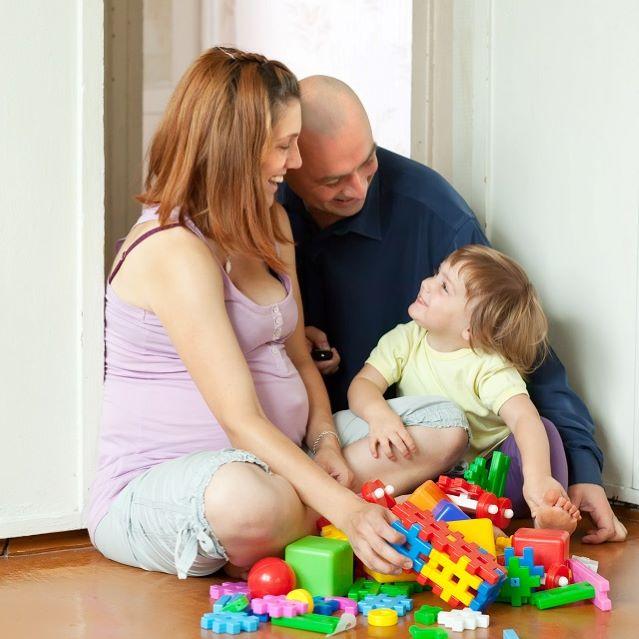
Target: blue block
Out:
[324,606]
[414,548]
[509,633]
[445,510]
[221,602]
[514,582]
[487,594]
[229,622]
[371,602]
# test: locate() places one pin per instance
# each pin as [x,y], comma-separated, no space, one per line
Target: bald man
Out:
[369,226]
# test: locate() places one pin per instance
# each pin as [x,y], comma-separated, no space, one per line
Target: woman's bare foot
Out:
[556,512]
[235,572]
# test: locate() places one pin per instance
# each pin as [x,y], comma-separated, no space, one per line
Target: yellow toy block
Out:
[332,532]
[384,579]
[503,542]
[478,530]
[440,569]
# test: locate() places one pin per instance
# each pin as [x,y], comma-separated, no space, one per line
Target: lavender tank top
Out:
[152,411]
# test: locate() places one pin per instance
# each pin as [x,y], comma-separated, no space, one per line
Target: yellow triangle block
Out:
[478,530]
[383,579]
[333,532]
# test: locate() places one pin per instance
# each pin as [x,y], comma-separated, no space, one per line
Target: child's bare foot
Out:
[556,512]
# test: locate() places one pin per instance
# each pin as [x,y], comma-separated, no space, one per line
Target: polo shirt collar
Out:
[368,221]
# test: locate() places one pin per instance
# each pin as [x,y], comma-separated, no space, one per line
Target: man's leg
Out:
[515,479]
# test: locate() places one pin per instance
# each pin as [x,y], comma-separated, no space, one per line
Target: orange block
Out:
[427,496]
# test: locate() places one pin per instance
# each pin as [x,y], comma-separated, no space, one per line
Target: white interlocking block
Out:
[466,619]
[591,563]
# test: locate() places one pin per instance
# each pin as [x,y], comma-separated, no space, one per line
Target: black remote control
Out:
[321,355]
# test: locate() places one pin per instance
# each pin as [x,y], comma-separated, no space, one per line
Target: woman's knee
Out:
[244,500]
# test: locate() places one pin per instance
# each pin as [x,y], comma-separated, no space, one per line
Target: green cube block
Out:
[323,566]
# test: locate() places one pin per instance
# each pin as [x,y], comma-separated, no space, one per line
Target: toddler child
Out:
[477,327]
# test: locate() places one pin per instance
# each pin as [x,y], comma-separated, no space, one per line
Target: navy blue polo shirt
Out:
[359,275]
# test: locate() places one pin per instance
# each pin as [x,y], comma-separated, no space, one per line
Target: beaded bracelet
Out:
[321,436]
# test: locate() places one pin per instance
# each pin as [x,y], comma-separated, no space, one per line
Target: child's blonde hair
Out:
[506,314]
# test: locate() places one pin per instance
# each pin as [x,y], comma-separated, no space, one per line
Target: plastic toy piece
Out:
[499,465]
[501,543]
[347,605]
[509,633]
[446,510]
[304,596]
[333,532]
[459,486]
[382,617]
[479,531]
[561,596]
[278,606]
[466,619]
[477,473]
[218,606]
[309,621]
[581,572]
[323,566]
[270,576]
[325,606]
[237,603]
[427,496]
[593,564]
[427,633]
[487,506]
[427,614]
[363,587]
[414,547]
[406,576]
[520,581]
[377,493]
[228,588]
[558,576]
[229,622]
[405,588]
[550,546]
[346,622]
[400,604]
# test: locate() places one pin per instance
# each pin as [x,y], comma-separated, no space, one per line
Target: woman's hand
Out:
[333,462]
[370,534]
[389,434]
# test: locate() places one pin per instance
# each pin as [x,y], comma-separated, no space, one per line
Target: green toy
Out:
[400,589]
[476,473]
[499,465]
[239,604]
[427,633]
[560,596]
[309,621]
[322,565]
[427,614]
[519,584]
[363,587]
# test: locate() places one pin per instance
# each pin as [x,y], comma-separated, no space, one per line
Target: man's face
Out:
[336,171]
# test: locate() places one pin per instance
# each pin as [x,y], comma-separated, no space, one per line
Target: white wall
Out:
[365,43]
[546,131]
[51,203]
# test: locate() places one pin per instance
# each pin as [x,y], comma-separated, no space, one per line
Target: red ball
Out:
[271,576]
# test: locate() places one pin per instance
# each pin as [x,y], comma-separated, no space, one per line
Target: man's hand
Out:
[317,339]
[591,499]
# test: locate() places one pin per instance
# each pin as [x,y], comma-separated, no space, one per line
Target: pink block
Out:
[346,604]
[278,606]
[229,588]
[581,572]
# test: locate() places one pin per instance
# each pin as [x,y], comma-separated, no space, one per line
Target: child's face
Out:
[441,306]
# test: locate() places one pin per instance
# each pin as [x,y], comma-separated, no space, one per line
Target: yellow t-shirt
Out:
[479,383]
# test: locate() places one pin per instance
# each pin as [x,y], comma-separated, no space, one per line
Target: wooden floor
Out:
[74,592]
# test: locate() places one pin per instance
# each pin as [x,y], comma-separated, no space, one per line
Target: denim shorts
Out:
[157,522]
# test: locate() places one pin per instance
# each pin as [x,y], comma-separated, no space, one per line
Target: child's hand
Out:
[389,433]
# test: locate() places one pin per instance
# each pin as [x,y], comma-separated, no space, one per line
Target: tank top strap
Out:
[142,237]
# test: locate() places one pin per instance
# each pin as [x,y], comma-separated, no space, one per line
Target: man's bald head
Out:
[337,149]
[330,105]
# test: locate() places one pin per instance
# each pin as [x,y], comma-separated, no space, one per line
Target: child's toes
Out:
[551,496]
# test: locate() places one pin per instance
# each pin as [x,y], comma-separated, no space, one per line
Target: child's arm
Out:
[386,429]
[522,418]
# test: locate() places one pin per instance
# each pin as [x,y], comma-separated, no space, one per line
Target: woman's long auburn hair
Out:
[206,154]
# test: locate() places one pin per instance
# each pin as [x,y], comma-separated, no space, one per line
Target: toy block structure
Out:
[582,572]
[376,492]
[460,572]
[522,579]
[427,614]
[427,496]
[401,605]
[229,622]
[446,510]
[323,566]
[491,479]
[479,531]
[309,621]
[550,550]
[363,587]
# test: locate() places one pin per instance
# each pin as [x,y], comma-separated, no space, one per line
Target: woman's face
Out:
[282,153]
